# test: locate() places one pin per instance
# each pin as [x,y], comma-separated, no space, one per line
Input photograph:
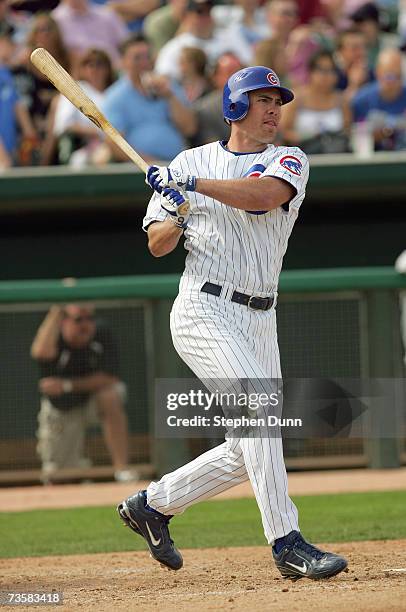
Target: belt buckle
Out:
[249,303]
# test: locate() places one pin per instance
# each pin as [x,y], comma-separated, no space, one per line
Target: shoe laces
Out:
[308,548]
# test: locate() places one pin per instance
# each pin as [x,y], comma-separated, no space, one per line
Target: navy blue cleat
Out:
[153,527]
[299,559]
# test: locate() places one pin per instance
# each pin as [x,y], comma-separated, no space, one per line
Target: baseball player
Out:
[235,203]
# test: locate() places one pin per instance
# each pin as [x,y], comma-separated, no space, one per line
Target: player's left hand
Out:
[161,177]
[177,205]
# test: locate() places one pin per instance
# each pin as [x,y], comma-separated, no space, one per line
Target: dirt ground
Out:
[212,579]
[216,579]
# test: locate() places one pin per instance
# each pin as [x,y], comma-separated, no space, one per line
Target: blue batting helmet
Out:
[235,96]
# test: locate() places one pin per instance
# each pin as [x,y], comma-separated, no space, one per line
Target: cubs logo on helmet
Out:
[291,163]
[272,78]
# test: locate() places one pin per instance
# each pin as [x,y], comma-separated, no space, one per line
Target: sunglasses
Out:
[391,77]
[81,319]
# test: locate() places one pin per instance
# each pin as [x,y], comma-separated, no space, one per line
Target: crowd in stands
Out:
[157,69]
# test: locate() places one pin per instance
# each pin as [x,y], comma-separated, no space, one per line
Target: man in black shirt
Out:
[79,385]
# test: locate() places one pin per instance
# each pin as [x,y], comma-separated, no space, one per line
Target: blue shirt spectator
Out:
[8,100]
[369,99]
[383,104]
[144,120]
[143,106]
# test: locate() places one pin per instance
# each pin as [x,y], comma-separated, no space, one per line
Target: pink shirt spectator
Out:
[95,26]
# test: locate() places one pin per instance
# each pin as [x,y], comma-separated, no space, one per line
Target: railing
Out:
[332,323]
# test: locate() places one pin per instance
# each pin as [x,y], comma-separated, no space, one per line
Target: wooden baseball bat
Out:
[75,94]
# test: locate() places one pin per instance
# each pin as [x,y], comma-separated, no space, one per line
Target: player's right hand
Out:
[177,205]
[161,177]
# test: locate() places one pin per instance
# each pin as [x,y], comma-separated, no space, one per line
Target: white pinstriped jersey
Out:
[226,244]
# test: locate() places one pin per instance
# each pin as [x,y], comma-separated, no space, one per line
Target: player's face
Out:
[264,115]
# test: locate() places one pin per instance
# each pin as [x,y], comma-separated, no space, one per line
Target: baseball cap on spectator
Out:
[366,12]
[371,12]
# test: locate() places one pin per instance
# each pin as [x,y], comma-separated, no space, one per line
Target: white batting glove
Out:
[161,177]
[178,206]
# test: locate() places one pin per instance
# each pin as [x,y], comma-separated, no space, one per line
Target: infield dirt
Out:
[215,579]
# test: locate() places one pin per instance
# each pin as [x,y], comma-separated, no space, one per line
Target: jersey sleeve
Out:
[154,211]
[291,165]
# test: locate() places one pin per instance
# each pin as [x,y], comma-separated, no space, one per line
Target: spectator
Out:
[17,20]
[79,384]
[366,20]
[340,12]
[192,63]
[6,20]
[146,108]
[352,62]
[283,17]
[310,10]
[383,103]
[249,24]
[318,119]
[210,123]
[162,24]
[78,139]
[300,42]
[13,112]
[250,12]
[86,25]
[198,31]
[302,45]
[133,12]
[35,89]
[272,52]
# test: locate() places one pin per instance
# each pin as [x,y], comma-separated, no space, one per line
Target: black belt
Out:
[252,301]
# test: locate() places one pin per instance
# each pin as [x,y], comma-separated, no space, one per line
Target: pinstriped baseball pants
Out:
[219,339]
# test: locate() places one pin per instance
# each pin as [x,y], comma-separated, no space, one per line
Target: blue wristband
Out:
[191,183]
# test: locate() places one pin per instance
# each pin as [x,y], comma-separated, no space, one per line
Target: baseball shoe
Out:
[153,527]
[299,559]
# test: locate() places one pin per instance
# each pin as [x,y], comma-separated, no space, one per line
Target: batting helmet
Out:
[235,96]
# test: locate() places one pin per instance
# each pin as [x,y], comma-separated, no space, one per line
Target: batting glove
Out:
[161,177]
[177,206]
